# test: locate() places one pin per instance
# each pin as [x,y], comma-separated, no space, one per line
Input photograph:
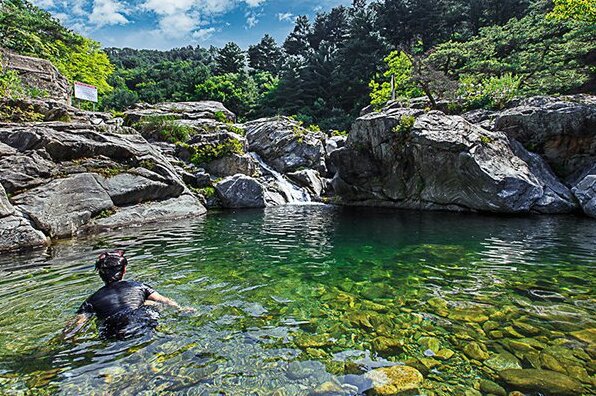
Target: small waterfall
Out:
[292,193]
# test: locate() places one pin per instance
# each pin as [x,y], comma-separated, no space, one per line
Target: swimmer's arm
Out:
[75,325]
[158,298]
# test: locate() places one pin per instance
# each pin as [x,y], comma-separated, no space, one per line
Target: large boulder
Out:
[584,189]
[181,207]
[17,232]
[138,185]
[233,164]
[62,206]
[286,145]
[547,382]
[562,130]
[411,159]
[241,191]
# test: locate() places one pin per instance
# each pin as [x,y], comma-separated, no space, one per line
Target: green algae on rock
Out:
[548,382]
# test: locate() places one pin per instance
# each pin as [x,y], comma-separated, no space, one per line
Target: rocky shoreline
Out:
[73,172]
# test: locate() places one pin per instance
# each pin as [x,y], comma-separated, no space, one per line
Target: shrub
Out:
[200,155]
[166,128]
[489,93]
[221,116]
[11,85]
[335,132]
[405,124]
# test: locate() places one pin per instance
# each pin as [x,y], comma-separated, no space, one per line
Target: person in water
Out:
[120,306]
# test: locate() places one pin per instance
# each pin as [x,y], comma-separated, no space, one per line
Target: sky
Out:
[165,24]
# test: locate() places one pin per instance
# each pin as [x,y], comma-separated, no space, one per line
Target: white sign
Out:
[85,91]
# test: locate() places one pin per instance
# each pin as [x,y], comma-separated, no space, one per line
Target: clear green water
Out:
[279,290]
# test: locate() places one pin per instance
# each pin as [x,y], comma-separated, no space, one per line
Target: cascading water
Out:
[291,192]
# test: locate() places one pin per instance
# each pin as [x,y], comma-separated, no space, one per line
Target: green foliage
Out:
[207,192]
[28,30]
[548,56]
[335,132]
[490,93]
[237,92]
[18,111]
[265,56]
[119,99]
[166,128]
[579,10]
[201,155]
[105,213]
[485,140]
[11,85]
[220,116]
[313,128]
[405,124]
[108,172]
[230,59]
[399,65]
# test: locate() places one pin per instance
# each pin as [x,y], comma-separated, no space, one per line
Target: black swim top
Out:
[116,297]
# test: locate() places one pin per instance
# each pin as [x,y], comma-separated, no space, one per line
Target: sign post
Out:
[87,92]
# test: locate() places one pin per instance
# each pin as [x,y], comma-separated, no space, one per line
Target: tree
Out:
[400,70]
[238,92]
[549,56]
[579,10]
[265,56]
[28,30]
[230,59]
[297,42]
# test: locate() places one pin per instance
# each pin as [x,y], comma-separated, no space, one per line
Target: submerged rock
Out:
[584,189]
[394,380]
[410,159]
[548,382]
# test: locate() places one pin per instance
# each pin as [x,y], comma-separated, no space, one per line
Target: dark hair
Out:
[111,266]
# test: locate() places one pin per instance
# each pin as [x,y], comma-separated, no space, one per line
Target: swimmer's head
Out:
[111,266]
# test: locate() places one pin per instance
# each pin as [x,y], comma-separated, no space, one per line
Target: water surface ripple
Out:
[292,297]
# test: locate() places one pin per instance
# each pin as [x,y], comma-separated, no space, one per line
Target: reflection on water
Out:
[290,298]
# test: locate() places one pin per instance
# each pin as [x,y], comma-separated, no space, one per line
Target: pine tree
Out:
[230,59]
[265,56]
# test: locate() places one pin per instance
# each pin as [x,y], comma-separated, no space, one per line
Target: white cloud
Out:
[254,3]
[107,12]
[286,17]
[43,3]
[177,25]
[203,34]
[252,19]
[170,7]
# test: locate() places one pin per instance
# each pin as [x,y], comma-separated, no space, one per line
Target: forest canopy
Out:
[475,53]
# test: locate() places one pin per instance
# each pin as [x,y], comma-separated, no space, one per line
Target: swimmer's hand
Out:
[156,298]
[74,326]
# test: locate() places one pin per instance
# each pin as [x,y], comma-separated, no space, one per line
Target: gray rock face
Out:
[311,179]
[562,130]
[138,185]
[233,164]
[65,176]
[584,190]
[6,208]
[60,207]
[285,145]
[181,110]
[150,212]
[38,73]
[16,232]
[443,162]
[241,191]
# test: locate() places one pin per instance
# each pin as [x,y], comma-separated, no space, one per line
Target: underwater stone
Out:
[502,361]
[388,346]
[487,386]
[394,380]
[432,343]
[444,354]
[473,350]
[545,381]
[588,336]
[468,315]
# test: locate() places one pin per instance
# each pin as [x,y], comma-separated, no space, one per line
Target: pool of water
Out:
[292,297]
